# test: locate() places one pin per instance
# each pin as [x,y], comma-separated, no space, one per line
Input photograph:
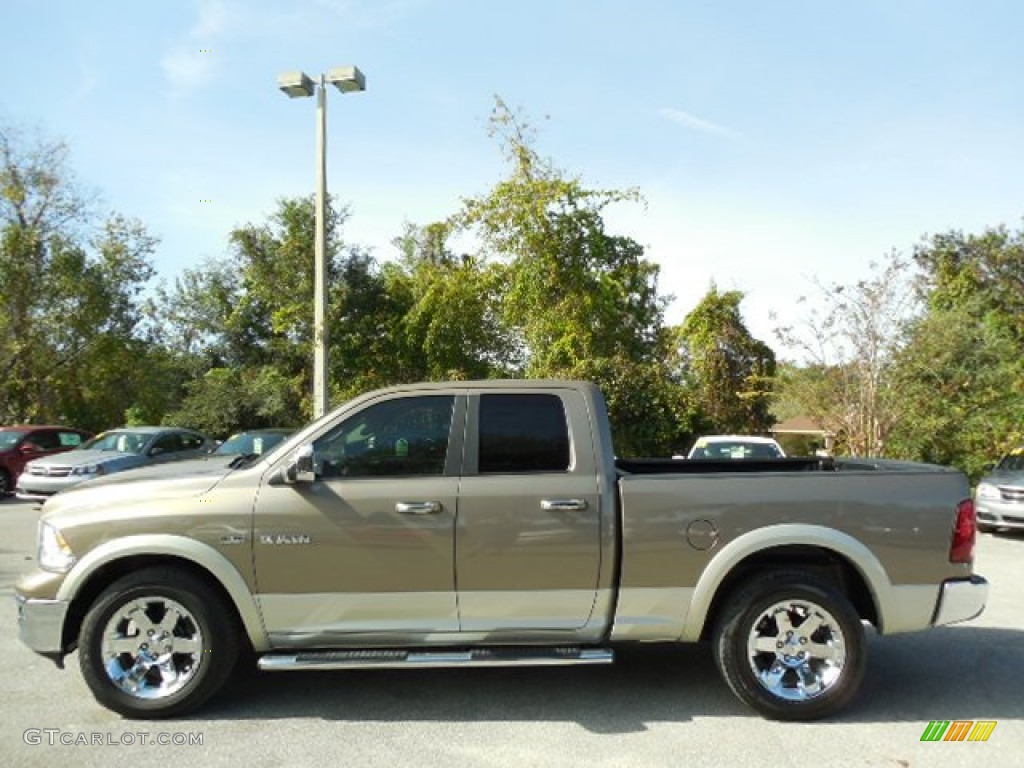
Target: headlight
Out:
[987,491]
[54,552]
[88,470]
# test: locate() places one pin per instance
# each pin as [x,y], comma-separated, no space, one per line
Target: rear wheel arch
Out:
[824,564]
[830,554]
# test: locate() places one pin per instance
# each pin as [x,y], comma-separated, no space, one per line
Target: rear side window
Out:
[70,439]
[167,444]
[523,433]
[190,442]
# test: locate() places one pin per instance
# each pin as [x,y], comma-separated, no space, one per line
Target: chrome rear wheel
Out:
[791,646]
[796,650]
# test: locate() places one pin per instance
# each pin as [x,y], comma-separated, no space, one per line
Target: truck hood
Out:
[175,479]
[79,457]
[1005,477]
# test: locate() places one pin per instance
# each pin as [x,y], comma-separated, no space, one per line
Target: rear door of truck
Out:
[528,536]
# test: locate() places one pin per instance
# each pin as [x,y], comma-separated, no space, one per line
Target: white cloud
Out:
[186,67]
[191,63]
[697,123]
[212,21]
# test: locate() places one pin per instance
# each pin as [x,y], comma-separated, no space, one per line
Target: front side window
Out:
[405,436]
[45,440]
[523,433]
[122,442]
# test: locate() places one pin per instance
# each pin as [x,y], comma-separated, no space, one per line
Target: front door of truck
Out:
[528,535]
[365,552]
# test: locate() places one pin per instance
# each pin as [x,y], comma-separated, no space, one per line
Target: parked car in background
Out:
[20,445]
[736,447]
[255,442]
[113,451]
[999,498]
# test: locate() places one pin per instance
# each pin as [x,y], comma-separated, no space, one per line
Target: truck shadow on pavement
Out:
[949,673]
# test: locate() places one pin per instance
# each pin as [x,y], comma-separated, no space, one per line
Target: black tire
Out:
[5,483]
[985,528]
[776,662]
[157,643]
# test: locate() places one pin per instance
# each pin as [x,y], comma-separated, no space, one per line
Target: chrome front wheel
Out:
[152,647]
[158,643]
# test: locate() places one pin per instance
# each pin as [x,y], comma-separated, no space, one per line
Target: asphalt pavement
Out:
[656,706]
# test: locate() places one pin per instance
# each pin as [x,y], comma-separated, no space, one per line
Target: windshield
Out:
[294,440]
[10,438]
[1014,462]
[122,442]
[735,450]
[247,443]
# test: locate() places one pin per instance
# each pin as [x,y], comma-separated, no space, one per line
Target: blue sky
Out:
[773,141]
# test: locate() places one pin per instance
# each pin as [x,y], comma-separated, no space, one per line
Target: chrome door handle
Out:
[563,505]
[418,507]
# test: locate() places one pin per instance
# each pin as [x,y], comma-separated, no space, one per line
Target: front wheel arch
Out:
[110,572]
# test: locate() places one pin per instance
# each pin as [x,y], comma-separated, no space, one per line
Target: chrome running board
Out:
[424,659]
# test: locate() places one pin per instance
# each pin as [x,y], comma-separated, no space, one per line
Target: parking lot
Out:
[656,706]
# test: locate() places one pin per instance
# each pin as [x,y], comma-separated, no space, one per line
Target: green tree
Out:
[727,372]
[242,324]
[580,302]
[961,371]
[70,285]
[247,317]
[453,327]
[849,345]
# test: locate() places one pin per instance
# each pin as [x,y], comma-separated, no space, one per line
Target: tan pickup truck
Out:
[489,523]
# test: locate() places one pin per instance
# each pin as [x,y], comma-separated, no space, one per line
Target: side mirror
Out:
[156,450]
[299,467]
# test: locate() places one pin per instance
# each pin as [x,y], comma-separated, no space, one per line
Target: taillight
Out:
[964,533]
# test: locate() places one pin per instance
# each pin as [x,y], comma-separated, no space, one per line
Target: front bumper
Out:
[41,624]
[1000,514]
[42,487]
[961,600]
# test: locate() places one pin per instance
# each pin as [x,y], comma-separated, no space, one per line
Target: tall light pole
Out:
[298,84]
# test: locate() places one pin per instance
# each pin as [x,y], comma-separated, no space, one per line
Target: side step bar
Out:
[425,659]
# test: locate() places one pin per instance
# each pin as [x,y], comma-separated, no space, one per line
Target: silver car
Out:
[113,451]
[999,499]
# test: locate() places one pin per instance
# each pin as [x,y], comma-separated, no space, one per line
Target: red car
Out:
[19,445]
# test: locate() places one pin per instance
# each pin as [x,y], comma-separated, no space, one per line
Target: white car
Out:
[736,447]
[113,451]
